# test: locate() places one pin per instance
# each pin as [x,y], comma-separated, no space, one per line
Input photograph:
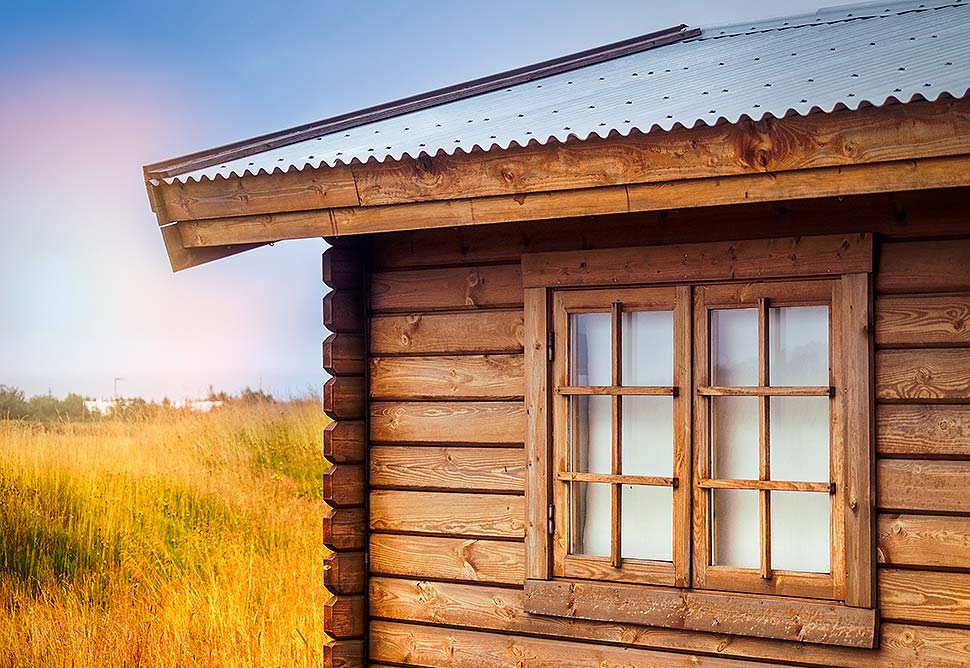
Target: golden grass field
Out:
[178,540]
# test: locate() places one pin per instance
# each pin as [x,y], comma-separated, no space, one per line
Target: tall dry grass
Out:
[183,540]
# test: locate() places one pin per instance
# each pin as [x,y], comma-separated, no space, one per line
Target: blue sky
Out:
[89,92]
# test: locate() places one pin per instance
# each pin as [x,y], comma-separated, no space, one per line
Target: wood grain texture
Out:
[929,541]
[450,288]
[345,441]
[345,654]
[344,398]
[933,486]
[482,607]
[345,485]
[923,321]
[268,193]
[444,513]
[181,257]
[454,468]
[432,333]
[924,266]
[925,596]
[262,228]
[343,355]
[762,617]
[901,215]
[345,529]
[343,311]
[447,377]
[923,375]
[440,558]
[486,422]
[751,259]
[923,431]
[345,572]
[345,616]
[343,266]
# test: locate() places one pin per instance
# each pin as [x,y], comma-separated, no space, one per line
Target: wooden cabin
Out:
[653,355]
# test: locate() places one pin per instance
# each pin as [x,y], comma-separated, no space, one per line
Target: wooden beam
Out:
[448,468]
[906,175]
[448,513]
[345,441]
[497,377]
[762,617]
[750,259]
[447,558]
[484,422]
[345,572]
[875,135]
[923,431]
[181,257]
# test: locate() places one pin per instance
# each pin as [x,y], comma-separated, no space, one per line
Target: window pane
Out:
[648,347]
[799,438]
[648,523]
[800,531]
[734,431]
[590,349]
[734,346]
[648,435]
[737,528]
[591,434]
[590,527]
[798,352]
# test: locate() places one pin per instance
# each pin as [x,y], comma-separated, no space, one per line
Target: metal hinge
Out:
[552,519]
[551,345]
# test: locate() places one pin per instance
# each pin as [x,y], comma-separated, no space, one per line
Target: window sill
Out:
[716,612]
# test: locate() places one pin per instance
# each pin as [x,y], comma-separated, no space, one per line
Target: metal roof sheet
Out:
[843,57]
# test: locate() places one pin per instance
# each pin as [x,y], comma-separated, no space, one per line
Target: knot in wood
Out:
[425,163]
[508,176]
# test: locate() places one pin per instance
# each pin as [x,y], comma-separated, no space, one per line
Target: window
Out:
[708,438]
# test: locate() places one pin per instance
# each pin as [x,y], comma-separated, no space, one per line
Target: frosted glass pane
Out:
[590,347]
[799,438]
[737,528]
[734,346]
[647,526]
[648,435]
[648,347]
[800,531]
[734,429]
[798,352]
[591,434]
[590,521]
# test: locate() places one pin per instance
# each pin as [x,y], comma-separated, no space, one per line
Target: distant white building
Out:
[106,406]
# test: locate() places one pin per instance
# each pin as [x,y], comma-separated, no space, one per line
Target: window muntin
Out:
[622,454]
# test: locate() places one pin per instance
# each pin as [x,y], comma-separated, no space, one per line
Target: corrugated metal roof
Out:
[848,56]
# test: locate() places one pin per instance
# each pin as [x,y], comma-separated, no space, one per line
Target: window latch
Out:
[552,519]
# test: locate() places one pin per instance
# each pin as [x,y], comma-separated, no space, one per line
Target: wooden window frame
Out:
[614,568]
[849,618]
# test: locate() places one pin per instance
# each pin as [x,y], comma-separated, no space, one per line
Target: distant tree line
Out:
[14,405]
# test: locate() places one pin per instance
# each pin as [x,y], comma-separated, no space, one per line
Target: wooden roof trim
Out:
[546,68]
[900,175]
[902,131]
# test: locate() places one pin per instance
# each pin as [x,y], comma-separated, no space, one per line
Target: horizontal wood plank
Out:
[455,468]
[900,215]
[432,333]
[933,375]
[449,288]
[923,431]
[482,607]
[267,193]
[447,377]
[933,486]
[443,513]
[485,422]
[923,321]
[747,259]
[930,541]
[924,266]
[925,596]
[440,558]
[763,617]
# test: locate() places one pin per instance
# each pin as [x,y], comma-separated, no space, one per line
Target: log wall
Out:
[447,424]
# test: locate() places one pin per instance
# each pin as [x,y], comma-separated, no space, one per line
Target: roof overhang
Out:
[914,146]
